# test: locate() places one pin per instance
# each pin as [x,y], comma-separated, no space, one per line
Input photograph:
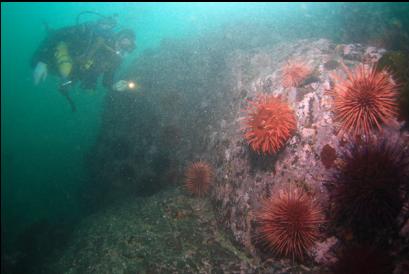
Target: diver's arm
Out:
[40,60]
[42,54]
[109,75]
[108,79]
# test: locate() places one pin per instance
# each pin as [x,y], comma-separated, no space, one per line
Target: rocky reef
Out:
[245,178]
[190,108]
[166,233]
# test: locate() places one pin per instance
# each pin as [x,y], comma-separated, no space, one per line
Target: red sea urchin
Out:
[198,178]
[288,223]
[365,100]
[269,124]
[294,72]
[366,187]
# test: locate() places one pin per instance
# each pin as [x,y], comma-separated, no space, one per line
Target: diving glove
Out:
[40,73]
[123,85]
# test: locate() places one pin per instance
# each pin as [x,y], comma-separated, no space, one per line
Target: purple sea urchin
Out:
[366,186]
[359,260]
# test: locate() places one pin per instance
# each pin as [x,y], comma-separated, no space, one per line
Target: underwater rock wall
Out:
[190,105]
[243,177]
[125,158]
[149,134]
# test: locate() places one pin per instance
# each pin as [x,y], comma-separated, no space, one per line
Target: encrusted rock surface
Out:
[170,232]
[244,177]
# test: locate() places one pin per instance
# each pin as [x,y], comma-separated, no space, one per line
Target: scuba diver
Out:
[81,53]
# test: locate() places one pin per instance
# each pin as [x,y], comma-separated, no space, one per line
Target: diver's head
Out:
[125,41]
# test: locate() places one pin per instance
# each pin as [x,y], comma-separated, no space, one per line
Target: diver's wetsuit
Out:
[91,51]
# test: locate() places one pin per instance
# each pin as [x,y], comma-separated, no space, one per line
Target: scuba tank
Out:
[100,29]
[63,59]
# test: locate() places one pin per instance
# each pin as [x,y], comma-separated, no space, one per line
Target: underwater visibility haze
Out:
[205,138]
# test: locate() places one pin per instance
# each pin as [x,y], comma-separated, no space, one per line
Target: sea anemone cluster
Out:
[365,100]
[199,176]
[294,72]
[288,223]
[270,122]
[366,187]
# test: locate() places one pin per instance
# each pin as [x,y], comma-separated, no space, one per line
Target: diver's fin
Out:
[73,107]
